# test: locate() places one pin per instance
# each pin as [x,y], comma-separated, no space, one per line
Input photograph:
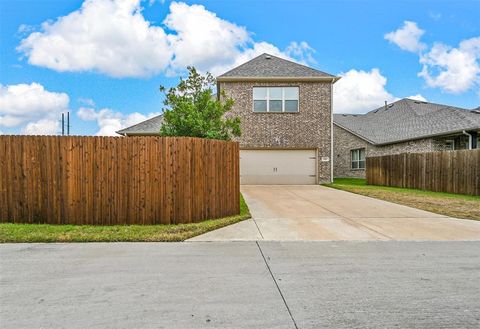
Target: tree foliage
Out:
[191,109]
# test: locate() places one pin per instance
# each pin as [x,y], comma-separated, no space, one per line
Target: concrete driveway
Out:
[286,212]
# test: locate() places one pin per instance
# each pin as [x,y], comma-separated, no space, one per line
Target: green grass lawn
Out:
[88,233]
[449,204]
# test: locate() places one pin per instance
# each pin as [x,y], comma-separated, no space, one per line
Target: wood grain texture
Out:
[117,180]
[450,171]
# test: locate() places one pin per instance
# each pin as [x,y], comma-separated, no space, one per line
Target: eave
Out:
[278,79]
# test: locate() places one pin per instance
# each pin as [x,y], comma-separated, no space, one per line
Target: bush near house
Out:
[192,110]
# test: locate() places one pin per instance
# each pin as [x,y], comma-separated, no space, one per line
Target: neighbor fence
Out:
[451,171]
[117,180]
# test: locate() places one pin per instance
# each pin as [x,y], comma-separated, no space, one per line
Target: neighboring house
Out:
[148,127]
[286,117]
[403,126]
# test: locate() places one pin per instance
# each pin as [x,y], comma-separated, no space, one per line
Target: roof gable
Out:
[408,119]
[148,127]
[270,66]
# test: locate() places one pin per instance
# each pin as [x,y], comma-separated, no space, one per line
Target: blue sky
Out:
[103,60]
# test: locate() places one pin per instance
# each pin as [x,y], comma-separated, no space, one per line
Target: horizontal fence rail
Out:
[451,171]
[117,180]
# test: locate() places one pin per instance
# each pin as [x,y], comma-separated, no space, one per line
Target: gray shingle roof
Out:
[267,65]
[408,119]
[147,127]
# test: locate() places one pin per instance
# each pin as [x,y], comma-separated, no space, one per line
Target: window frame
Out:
[359,160]
[267,99]
[451,142]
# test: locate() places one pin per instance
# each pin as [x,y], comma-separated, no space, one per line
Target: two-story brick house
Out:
[286,117]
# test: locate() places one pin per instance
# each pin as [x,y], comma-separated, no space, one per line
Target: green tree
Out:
[192,110]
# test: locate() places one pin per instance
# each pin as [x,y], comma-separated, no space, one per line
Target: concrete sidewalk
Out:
[318,213]
[240,285]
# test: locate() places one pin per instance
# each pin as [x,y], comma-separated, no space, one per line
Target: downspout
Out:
[469,139]
[331,130]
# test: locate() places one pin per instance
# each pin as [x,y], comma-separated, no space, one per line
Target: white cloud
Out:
[360,91]
[109,121]
[202,38]
[417,97]
[301,51]
[107,36]
[257,49]
[31,108]
[86,101]
[454,70]
[407,37]
[42,127]
[114,38]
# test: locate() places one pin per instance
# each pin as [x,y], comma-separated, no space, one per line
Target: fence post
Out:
[116,180]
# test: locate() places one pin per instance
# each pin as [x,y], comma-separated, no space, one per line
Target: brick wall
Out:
[345,141]
[309,128]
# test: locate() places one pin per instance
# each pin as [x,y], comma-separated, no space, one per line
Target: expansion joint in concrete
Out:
[276,284]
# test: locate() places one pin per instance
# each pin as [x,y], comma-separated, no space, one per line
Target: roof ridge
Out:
[432,103]
[267,65]
[236,67]
[410,106]
[291,61]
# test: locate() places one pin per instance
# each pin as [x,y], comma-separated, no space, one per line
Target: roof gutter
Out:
[470,138]
[280,79]
[446,133]
[331,131]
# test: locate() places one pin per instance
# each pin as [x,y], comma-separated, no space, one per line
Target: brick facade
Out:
[460,142]
[310,128]
[345,141]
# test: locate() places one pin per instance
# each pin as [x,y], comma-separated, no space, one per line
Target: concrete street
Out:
[241,285]
[312,212]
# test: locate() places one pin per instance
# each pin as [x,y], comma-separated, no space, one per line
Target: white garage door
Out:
[277,167]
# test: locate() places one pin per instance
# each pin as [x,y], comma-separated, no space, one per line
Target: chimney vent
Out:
[268,57]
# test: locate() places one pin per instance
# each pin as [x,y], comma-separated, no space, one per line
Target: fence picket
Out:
[117,180]
[451,171]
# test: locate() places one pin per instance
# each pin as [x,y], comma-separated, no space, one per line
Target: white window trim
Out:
[359,160]
[450,141]
[283,99]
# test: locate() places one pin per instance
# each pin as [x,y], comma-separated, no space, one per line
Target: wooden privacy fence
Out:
[117,180]
[452,171]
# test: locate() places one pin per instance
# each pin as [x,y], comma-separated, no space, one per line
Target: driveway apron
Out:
[316,213]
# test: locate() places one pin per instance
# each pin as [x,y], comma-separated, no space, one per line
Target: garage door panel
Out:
[265,167]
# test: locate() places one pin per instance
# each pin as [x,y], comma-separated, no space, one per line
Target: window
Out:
[449,144]
[275,99]
[260,99]
[358,158]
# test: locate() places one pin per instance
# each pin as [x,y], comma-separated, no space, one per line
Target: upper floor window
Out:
[358,158]
[275,99]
